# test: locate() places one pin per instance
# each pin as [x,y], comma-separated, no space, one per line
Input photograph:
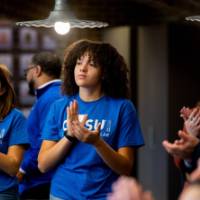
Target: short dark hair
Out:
[49,62]
[114,68]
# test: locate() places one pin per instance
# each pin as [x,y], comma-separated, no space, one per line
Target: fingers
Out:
[174,148]
[183,135]
[193,113]
[68,112]
[187,138]
[168,146]
[194,116]
[84,119]
[98,128]
[185,112]
[72,110]
[74,107]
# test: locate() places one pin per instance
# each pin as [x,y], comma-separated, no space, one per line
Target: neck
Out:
[90,95]
[42,80]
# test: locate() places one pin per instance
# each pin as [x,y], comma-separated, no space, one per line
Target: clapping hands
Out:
[76,128]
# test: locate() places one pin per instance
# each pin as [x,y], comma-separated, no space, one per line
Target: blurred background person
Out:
[43,76]
[13,137]
[186,149]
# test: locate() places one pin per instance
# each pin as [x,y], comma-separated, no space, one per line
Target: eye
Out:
[78,62]
[92,63]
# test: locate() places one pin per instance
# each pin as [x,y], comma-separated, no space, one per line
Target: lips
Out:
[81,76]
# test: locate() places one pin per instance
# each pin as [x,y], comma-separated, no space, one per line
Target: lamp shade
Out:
[193,18]
[61,13]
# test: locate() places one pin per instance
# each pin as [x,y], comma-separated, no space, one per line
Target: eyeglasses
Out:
[29,68]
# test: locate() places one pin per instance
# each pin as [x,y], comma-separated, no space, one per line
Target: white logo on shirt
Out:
[91,124]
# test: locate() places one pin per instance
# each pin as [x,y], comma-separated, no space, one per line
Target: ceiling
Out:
[115,12]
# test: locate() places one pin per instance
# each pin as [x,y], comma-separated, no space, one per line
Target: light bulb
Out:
[62,28]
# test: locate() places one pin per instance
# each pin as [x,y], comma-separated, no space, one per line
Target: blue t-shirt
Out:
[83,174]
[12,132]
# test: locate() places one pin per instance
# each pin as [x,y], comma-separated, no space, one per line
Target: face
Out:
[86,74]
[29,73]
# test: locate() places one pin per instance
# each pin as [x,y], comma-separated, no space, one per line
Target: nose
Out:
[83,66]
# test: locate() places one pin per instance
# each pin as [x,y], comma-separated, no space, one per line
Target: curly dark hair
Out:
[114,68]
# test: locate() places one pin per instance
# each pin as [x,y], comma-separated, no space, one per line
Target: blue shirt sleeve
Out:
[130,133]
[29,162]
[51,130]
[19,133]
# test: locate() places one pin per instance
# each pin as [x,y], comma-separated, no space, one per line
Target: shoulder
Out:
[16,113]
[61,103]
[117,100]
[122,103]
[50,94]
[15,117]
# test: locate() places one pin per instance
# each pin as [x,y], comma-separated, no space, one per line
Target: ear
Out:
[38,70]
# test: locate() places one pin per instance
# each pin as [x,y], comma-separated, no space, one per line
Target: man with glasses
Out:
[42,76]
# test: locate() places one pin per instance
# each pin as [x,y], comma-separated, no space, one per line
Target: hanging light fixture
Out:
[62,19]
[193,18]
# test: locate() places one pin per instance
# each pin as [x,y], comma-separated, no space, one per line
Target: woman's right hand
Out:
[72,115]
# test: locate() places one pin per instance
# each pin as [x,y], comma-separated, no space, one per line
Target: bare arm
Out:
[120,161]
[10,162]
[51,153]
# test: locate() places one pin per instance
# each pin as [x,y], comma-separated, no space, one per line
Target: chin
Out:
[81,83]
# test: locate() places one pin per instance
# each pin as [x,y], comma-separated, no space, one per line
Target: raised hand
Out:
[183,147]
[192,124]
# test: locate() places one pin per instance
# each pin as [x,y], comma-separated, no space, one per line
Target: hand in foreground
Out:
[76,127]
[127,188]
[183,147]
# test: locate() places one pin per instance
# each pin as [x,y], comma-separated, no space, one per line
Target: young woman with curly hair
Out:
[13,137]
[90,135]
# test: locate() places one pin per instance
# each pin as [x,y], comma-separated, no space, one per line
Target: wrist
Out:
[69,137]
[98,143]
